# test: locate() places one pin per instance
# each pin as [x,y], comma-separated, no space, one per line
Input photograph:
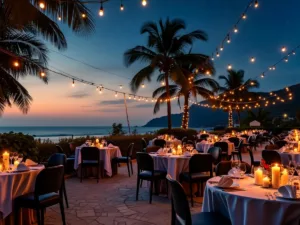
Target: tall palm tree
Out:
[233,81]
[20,54]
[26,15]
[164,52]
[195,83]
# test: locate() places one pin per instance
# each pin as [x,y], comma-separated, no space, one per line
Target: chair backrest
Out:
[49,180]
[223,168]
[271,156]
[181,213]
[235,141]
[144,143]
[183,140]
[251,155]
[190,142]
[216,154]
[59,149]
[144,162]
[200,163]
[204,136]
[130,150]
[57,159]
[90,153]
[245,136]
[280,143]
[223,145]
[160,142]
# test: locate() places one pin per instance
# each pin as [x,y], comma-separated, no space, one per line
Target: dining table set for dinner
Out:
[170,140]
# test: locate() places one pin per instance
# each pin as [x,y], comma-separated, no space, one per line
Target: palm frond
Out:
[173,89]
[140,53]
[140,77]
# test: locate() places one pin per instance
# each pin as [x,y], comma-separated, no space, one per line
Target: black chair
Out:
[127,159]
[190,142]
[225,166]
[216,154]
[184,140]
[144,144]
[271,156]
[252,142]
[224,146]
[253,163]
[204,136]
[280,143]
[90,157]
[181,213]
[58,159]
[160,142]
[237,146]
[146,172]
[59,149]
[47,193]
[198,165]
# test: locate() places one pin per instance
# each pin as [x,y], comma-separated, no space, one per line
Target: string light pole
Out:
[127,117]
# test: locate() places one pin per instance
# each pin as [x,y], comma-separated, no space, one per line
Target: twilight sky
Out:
[261,35]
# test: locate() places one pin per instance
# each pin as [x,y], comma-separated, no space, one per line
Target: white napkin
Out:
[225,182]
[22,167]
[110,145]
[29,162]
[288,191]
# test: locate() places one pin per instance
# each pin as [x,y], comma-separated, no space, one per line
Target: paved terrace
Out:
[112,202]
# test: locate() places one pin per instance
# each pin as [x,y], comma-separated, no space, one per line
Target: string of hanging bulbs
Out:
[42,5]
[262,75]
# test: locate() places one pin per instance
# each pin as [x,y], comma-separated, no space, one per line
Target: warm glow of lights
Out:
[285,115]
[100,91]
[235,30]
[228,39]
[144,2]
[16,64]
[283,49]
[221,48]
[116,94]
[122,7]
[43,74]
[42,5]
[143,85]
[101,11]
[73,83]
[229,67]
[121,86]
[218,55]
[256,4]
[163,83]
[252,59]
[59,18]
[244,16]
[83,15]
[262,75]
[207,72]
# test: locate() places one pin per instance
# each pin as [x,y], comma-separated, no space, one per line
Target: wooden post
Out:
[128,124]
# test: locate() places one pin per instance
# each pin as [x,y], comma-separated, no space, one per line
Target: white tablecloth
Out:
[174,165]
[13,185]
[250,207]
[106,154]
[287,156]
[204,146]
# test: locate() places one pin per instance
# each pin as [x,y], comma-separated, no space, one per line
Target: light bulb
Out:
[228,39]
[286,59]
[256,4]
[207,72]
[73,83]
[283,49]
[262,75]
[42,5]
[244,16]
[212,58]
[59,18]
[16,64]
[235,30]
[43,74]
[122,7]
[83,15]
[121,86]
[129,97]
[293,52]
[162,83]
[252,59]
[143,85]
[101,11]
[229,66]
[100,91]
[144,2]
[221,48]
[218,55]
[116,94]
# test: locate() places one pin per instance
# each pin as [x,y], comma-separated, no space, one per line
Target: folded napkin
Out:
[225,182]
[22,167]
[288,191]
[29,162]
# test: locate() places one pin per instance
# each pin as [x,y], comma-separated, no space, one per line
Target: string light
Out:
[83,15]
[121,86]
[221,48]
[59,18]
[116,94]
[163,83]
[244,16]
[101,11]
[42,5]
[143,85]
[16,64]
[43,74]
[218,55]
[293,52]
[283,49]
[144,2]
[229,67]
[252,59]
[286,59]
[262,75]
[73,83]
[122,6]
[100,91]
[228,39]
[256,4]
[235,30]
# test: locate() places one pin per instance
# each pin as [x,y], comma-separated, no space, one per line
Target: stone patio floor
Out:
[112,202]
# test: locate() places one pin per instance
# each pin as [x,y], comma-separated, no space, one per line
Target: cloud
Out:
[116,102]
[143,106]
[79,95]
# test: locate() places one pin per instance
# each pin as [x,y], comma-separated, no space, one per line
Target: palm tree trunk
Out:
[168,102]
[185,116]
[230,119]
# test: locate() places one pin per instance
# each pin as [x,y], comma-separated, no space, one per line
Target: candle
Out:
[1,167]
[284,178]
[101,145]
[204,132]
[173,151]
[298,146]
[275,176]
[179,150]
[97,140]
[266,182]
[16,163]
[6,160]
[258,177]
[295,150]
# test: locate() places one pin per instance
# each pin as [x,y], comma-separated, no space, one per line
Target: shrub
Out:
[179,133]
[19,142]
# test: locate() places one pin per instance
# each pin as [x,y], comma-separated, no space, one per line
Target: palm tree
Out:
[233,81]
[195,83]
[20,54]
[164,52]
[26,15]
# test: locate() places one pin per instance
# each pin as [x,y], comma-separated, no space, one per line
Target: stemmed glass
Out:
[20,157]
[242,169]
[11,156]
[16,156]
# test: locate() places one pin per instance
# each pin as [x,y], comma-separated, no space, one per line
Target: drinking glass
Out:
[11,156]
[20,157]
[235,164]
[16,156]
[242,169]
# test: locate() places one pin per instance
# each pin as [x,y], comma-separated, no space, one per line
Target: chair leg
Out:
[38,216]
[62,211]
[128,169]
[191,194]
[131,167]
[81,173]
[137,189]
[42,216]
[150,192]
[65,194]
[16,217]
[141,183]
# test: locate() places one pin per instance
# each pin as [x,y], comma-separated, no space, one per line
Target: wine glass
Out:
[11,156]
[242,169]
[20,157]
[16,156]
[235,164]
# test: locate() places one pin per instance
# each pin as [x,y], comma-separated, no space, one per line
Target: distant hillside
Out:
[205,117]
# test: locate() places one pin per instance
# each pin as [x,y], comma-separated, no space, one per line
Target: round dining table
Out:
[12,185]
[203,146]
[250,205]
